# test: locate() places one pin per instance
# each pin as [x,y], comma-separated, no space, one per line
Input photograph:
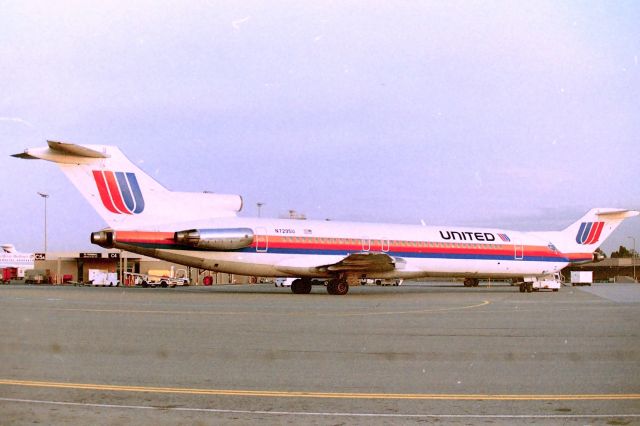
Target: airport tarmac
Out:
[419,353]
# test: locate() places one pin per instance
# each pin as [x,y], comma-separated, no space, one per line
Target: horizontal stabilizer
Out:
[75,150]
[64,153]
[616,214]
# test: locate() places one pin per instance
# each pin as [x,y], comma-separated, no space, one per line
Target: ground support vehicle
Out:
[384,282]
[162,278]
[37,276]
[551,282]
[99,277]
[581,278]
[9,274]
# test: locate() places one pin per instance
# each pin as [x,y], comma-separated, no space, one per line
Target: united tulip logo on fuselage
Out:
[119,191]
[589,232]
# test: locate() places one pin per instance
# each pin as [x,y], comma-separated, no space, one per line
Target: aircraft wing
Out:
[361,262]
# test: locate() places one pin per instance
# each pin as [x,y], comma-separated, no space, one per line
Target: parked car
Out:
[283,282]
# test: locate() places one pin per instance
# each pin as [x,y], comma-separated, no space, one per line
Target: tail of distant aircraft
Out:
[8,248]
[589,232]
[125,196]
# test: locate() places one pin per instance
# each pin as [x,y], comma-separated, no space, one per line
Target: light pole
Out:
[45,196]
[259,204]
[633,257]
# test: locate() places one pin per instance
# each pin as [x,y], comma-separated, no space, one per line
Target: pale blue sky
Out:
[511,114]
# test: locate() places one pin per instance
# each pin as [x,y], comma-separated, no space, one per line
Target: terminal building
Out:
[66,267]
[609,270]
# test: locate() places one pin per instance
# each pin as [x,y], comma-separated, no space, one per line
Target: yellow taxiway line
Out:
[332,395]
[319,314]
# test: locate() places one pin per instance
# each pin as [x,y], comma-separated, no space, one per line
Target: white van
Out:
[284,282]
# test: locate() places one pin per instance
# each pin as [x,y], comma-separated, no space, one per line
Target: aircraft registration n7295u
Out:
[203,230]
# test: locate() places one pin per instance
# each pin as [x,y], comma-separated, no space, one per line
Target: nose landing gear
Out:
[471,282]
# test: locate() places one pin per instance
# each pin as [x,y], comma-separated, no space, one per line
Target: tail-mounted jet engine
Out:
[215,239]
[102,238]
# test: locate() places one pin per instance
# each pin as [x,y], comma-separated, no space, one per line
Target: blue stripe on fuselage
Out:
[342,252]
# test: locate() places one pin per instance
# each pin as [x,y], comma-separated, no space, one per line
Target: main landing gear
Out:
[301,286]
[336,286]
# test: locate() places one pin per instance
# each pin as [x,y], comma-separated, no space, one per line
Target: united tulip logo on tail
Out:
[589,232]
[119,191]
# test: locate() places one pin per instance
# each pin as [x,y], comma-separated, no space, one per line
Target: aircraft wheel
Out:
[342,288]
[301,286]
[337,287]
[305,287]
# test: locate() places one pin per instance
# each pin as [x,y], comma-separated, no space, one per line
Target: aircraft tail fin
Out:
[589,232]
[125,196]
[8,248]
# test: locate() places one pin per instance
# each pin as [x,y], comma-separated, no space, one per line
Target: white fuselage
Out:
[17,260]
[300,248]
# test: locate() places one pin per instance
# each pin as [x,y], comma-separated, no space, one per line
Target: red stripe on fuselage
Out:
[308,243]
[579,257]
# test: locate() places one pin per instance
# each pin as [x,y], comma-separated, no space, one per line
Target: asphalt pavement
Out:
[422,352]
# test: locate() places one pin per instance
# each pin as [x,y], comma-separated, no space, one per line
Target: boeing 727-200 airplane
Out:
[202,230]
